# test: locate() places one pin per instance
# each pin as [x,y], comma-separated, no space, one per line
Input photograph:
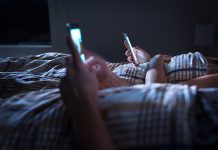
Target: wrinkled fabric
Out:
[31,73]
[143,116]
[148,116]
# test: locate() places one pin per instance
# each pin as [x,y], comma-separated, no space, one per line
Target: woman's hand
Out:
[156,72]
[164,58]
[141,54]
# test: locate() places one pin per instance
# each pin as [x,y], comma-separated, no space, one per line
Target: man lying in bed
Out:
[80,99]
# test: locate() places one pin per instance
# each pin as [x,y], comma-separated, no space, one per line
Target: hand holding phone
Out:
[131,48]
[76,37]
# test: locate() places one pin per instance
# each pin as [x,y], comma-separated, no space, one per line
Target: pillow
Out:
[130,73]
[185,67]
[112,66]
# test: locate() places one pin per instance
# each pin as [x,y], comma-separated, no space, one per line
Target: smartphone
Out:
[126,38]
[74,32]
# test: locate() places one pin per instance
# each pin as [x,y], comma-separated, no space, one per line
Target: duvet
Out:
[32,115]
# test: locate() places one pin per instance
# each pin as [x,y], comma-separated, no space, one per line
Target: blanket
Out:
[148,116]
[31,73]
[136,117]
[140,116]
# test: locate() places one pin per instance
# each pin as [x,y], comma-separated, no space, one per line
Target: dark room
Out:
[108,74]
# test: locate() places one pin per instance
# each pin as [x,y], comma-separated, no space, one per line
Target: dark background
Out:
[159,26]
[24,22]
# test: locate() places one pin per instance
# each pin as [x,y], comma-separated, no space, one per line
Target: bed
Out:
[34,117]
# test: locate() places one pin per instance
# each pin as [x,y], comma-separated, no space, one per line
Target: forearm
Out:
[156,72]
[112,81]
[91,131]
[204,81]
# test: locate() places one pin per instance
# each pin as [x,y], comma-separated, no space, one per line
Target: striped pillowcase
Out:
[186,67]
[130,73]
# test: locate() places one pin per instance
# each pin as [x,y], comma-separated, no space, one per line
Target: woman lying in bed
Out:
[191,68]
[80,99]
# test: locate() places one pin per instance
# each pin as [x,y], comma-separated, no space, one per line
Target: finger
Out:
[89,62]
[128,53]
[97,69]
[126,45]
[138,49]
[129,59]
[75,55]
[69,67]
[93,61]
[97,64]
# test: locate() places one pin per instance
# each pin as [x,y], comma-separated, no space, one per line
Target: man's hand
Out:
[80,85]
[99,65]
[79,90]
[141,54]
[105,76]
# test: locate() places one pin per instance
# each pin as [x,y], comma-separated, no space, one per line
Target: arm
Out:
[112,81]
[86,118]
[204,81]
[142,55]
[156,72]
[79,91]
[105,76]
[91,131]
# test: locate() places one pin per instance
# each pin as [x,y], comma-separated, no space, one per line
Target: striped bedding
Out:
[33,115]
[35,120]
[142,116]
[130,74]
[186,67]
[148,116]
[181,68]
[34,72]
[137,117]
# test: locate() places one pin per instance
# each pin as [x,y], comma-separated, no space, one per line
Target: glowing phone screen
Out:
[77,40]
[76,37]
